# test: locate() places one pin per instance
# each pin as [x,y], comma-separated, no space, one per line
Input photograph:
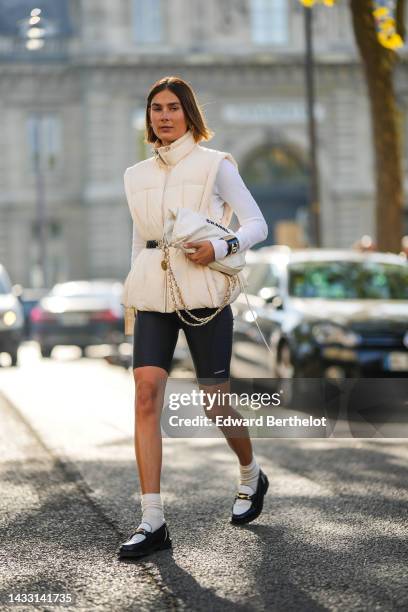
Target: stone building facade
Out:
[71,118]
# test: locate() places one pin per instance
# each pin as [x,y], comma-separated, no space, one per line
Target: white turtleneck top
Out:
[228,187]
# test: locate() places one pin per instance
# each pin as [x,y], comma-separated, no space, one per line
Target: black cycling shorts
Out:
[156,333]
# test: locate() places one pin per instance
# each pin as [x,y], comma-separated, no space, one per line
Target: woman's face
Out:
[167,117]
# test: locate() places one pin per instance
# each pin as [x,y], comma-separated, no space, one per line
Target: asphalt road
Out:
[333,535]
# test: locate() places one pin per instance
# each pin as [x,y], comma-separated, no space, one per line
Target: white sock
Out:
[247,484]
[152,517]
[249,474]
[152,507]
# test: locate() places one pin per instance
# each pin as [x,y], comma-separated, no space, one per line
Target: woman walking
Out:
[185,174]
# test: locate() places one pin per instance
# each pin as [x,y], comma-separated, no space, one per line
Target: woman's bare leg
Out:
[150,385]
[237,437]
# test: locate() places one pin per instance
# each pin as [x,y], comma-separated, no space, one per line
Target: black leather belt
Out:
[152,244]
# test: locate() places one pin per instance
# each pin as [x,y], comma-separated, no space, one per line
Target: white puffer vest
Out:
[179,175]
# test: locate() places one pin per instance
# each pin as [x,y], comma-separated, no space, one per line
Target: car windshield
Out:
[348,280]
[4,286]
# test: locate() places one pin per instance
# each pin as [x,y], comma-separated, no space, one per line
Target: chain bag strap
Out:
[175,289]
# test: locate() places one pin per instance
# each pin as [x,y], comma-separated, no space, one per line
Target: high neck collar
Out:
[170,155]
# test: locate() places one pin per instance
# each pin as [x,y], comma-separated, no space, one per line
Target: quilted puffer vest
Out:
[181,174]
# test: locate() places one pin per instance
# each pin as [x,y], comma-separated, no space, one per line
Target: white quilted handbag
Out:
[185,225]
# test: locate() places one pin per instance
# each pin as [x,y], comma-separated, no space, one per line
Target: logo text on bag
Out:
[217,224]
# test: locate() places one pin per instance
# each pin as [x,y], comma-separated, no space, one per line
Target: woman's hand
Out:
[204,253]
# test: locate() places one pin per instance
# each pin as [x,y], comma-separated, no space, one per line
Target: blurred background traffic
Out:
[311,98]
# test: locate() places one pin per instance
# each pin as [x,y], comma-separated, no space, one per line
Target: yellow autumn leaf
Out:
[396,41]
[380,12]
[387,31]
[387,23]
[390,42]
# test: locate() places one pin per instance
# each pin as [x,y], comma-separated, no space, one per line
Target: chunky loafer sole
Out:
[153,542]
[257,500]
[135,554]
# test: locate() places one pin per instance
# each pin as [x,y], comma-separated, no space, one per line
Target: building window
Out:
[269,22]
[148,21]
[44,141]
[141,148]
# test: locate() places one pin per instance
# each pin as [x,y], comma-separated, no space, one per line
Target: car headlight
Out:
[9,318]
[328,333]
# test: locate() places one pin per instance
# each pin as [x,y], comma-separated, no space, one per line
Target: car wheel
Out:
[299,391]
[285,373]
[46,351]
[284,362]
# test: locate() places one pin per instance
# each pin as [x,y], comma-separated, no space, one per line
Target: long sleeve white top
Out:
[228,187]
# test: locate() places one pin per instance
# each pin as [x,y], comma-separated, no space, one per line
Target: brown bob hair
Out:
[192,110]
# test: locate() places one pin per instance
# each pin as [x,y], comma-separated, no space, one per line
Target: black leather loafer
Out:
[158,540]
[256,502]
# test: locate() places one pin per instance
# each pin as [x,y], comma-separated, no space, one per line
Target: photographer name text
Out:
[268,420]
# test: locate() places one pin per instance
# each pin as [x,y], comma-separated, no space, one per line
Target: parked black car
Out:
[79,313]
[324,313]
[11,318]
